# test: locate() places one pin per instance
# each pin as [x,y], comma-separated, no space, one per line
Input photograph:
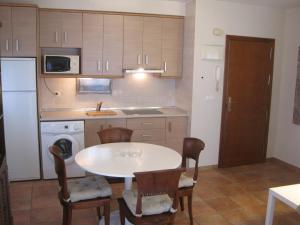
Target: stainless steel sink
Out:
[141,111]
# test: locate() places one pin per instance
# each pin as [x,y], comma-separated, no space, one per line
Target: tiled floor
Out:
[234,196]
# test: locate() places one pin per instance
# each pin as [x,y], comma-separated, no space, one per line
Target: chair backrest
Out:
[157,183]
[115,134]
[60,170]
[191,150]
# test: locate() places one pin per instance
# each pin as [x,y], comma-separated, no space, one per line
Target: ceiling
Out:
[272,3]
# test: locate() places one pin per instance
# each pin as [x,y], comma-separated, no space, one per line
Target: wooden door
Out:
[92,44]
[246,103]
[152,42]
[50,29]
[133,42]
[172,47]
[5,31]
[71,30]
[113,45]
[24,31]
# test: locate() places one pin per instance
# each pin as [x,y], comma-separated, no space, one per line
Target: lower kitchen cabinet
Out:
[5,212]
[92,126]
[165,131]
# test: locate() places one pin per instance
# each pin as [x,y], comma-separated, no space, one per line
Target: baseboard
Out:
[279,161]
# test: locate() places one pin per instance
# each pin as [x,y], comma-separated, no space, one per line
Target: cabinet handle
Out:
[139,59]
[109,126]
[101,127]
[146,59]
[107,65]
[147,123]
[165,66]
[56,37]
[7,45]
[17,45]
[146,135]
[170,127]
[65,37]
[98,65]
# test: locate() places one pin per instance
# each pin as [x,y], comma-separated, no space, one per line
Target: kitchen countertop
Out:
[80,114]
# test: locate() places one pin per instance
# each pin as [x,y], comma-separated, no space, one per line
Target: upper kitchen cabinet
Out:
[172,47]
[60,29]
[6,31]
[92,44]
[113,45]
[133,42]
[18,31]
[152,41]
[142,42]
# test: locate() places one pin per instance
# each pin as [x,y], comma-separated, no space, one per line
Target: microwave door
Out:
[58,64]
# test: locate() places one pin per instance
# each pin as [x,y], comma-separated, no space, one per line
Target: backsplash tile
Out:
[126,92]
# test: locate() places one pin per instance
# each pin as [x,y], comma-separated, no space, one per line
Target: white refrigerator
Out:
[20,118]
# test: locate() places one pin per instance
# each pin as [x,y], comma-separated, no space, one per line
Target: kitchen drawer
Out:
[148,135]
[146,123]
[92,126]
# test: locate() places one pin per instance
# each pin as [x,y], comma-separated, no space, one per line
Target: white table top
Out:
[123,159]
[289,194]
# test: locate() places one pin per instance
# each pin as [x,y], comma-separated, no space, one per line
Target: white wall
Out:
[287,141]
[137,6]
[234,19]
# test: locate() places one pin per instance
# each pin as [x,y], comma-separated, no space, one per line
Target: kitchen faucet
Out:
[99,105]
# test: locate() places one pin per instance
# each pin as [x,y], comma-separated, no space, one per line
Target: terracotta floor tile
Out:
[21,217]
[231,196]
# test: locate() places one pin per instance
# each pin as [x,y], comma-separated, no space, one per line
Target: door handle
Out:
[107,65]
[98,65]
[65,37]
[229,103]
[56,37]
[139,59]
[165,66]
[146,59]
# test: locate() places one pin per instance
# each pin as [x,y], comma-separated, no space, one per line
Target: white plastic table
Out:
[290,195]
[123,159]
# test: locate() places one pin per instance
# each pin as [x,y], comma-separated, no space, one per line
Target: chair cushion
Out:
[151,205]
[185,181]
[88,188]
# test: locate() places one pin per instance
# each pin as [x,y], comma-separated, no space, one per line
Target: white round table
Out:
[123,159]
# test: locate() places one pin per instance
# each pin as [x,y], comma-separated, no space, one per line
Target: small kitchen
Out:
[128,62]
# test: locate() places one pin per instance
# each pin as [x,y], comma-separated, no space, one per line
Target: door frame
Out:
[221,163]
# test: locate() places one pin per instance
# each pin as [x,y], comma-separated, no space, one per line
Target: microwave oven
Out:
[68,64]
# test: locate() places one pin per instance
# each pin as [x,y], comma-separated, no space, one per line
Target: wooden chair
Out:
[115,134]
[151,203]
[191,150]
[88,192]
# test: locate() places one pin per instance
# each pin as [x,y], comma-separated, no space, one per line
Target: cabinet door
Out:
[71,30]
[5,31]
[91,128]
[176,132]
[133,42]
[172,47]
[152,41]
[50,29]
[115,123]
[24,31]
[113,45]
[92,44]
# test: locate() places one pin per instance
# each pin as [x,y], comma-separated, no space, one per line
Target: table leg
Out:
[128,183]
[270,209]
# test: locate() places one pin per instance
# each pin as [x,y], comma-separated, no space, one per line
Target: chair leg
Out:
[67,215]
[107,213]
[99,213]
[122,216]
[181,201]
[190,201]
